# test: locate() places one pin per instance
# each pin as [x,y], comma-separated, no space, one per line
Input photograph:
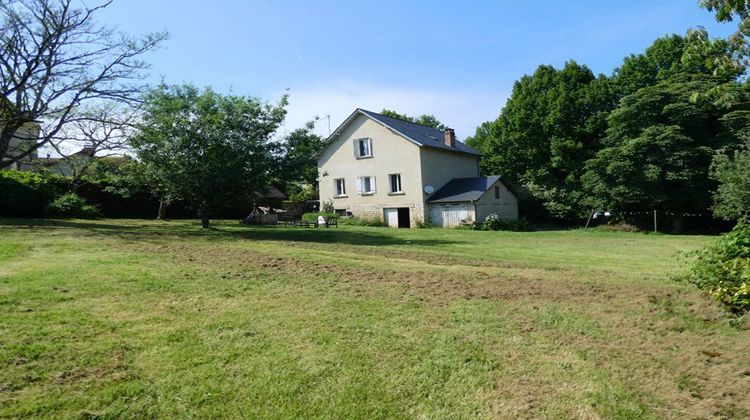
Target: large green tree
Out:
[298,160]
[660,61]
[732,172]
[210,149]
[549,127]
[738,51]
[556,119]
[659,146]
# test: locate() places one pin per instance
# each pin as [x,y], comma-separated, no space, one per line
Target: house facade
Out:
[24,138]
[375,166]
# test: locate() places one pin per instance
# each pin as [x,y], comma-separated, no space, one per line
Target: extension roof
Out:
[466,189]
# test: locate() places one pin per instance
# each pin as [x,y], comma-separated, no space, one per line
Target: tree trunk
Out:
[677,223]
[162,215]
[204,219]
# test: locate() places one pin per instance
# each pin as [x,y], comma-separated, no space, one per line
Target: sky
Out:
[457,60]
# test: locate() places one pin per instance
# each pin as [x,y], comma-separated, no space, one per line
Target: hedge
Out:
[312,217]
[27,194]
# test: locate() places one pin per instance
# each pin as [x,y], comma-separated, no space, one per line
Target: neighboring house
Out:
[69,165]
[375,166]
[272,197]
[24,138]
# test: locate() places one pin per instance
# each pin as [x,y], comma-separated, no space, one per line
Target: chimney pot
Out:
[450,137]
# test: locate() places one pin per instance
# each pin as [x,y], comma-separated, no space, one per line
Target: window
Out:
[340,185]
[363,148]
[366,185]
[497,193]
[395,183]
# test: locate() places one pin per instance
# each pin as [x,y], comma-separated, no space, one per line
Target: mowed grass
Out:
[162,319]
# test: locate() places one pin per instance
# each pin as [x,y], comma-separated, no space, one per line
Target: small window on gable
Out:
[340,185]
[497,193]
[363,148]
[395,183]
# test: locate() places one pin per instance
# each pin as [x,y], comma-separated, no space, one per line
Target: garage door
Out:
[448,215]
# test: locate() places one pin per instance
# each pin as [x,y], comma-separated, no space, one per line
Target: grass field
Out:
[154,319]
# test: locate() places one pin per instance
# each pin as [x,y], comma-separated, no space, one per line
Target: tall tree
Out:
[211,150]
[54,59]
[732,173]
[738,46]
[549,127]
[659,147]
[298,164]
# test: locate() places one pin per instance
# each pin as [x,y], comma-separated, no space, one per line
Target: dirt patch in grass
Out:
[429,281]
[428,258]
[655,343]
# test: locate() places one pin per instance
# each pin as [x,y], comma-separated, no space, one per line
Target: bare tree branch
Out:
[55,59]
[97,132]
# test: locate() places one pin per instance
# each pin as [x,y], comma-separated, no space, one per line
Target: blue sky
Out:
[457,60]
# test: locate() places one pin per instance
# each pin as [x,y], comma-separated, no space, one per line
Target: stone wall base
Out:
[416,212]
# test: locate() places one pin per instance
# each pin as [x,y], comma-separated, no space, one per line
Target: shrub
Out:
[313,217]
[495,222]
[27,194]
[327,206]
[723,269]
[425,225]
[71,205]
[618,227]
[306,193]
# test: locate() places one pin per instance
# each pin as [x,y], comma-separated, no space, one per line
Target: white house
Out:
[23,139]
[376,166]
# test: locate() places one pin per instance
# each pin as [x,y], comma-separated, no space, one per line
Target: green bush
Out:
[71,205]
[618,227]
[306,193]
[425,225]
[495,222]
[27,194]
[313,217]
[327,206]
[723,269]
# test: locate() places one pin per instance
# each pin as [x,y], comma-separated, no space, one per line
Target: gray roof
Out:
[420,134]
[463,189]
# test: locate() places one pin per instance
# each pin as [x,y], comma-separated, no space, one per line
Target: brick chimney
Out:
[450,137]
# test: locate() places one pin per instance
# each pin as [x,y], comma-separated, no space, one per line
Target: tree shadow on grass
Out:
[146,231]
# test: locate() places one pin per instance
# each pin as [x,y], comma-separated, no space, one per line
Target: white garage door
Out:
[448,215]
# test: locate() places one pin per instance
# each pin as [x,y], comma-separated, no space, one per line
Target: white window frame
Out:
[359,149]
[361,185]
[397,178]
[340,192]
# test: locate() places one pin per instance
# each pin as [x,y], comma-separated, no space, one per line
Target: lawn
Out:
[161,319]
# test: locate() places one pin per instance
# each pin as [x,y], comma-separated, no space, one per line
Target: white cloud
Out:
[462,110]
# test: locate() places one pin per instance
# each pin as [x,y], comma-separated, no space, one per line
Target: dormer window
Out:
[363,148]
